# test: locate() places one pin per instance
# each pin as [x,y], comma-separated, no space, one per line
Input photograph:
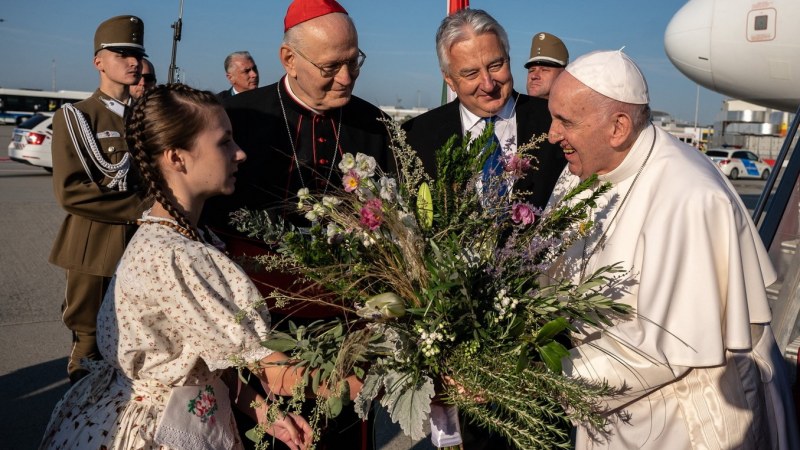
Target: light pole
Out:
[176,36]
[54,75]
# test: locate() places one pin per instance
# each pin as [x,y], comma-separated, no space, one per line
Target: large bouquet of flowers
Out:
[445,293]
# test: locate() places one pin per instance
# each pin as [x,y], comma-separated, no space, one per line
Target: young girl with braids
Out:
[178,314]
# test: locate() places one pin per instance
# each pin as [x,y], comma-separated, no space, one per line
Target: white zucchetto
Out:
[613,74]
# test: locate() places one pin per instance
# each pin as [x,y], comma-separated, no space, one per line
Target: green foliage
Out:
[446,287]
[527,407]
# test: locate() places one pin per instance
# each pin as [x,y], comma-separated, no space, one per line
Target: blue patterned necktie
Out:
[494,164]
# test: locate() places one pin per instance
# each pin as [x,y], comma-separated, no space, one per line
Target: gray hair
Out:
[639,114]
[293,37]
[460,26]
[241,54]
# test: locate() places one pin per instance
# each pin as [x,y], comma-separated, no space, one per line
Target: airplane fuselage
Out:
[746,49]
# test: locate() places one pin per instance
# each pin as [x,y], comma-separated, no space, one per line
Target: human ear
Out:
[621,129]
[173,160]
[449,80]
[287,58]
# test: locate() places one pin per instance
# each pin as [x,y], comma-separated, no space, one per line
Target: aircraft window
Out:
[761,23]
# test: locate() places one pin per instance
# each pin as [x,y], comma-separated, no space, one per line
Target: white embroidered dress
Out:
[176,313]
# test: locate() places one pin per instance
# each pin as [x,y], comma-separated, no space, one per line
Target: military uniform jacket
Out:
[100,220]
[428,132]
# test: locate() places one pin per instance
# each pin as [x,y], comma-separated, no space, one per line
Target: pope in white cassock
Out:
[698,359]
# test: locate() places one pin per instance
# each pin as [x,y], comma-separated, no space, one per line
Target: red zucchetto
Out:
[301,10]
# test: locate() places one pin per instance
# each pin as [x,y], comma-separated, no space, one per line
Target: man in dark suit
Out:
[473,53]
[242,72]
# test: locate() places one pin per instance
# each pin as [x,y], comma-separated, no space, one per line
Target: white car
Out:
[31,141]
[736,163]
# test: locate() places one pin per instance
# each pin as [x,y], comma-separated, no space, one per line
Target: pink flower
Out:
[517,166]
[371,214]
[351,181]
[522,213]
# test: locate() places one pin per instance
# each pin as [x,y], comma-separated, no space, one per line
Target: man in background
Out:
[549,57]
[147,80]
[241,72]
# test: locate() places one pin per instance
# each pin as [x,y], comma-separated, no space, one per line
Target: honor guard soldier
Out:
[549,57]
[96,184]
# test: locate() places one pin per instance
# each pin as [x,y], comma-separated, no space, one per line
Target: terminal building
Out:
[738,124]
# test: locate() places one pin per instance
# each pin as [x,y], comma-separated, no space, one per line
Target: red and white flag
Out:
[448,94]
[455,5]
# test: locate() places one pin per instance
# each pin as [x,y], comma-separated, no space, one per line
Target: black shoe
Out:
[76,375]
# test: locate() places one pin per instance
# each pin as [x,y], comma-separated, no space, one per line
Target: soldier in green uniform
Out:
[95,182]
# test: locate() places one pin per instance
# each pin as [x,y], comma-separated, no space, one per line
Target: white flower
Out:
[334,233]
[387,305]
[347,163]
[311,215]
[365,165]
[330,202]
[319,209]
[388,188]
[366,239]
[303,194]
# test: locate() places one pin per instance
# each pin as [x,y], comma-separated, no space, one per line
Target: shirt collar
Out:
[470,120]
[296,99]
[112,104]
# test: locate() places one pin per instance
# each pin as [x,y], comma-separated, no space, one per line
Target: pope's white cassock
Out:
[698,358]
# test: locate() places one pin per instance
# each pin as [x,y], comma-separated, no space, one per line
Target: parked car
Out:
[735,163]
[31,141]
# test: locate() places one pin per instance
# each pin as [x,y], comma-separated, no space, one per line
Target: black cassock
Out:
[271,176]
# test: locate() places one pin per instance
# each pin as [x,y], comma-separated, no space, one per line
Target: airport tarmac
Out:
[34,341]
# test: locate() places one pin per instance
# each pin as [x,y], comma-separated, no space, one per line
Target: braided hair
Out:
[167,116]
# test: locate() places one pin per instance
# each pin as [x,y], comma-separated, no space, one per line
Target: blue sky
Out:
[397,36]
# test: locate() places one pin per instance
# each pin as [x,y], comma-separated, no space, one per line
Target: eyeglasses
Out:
[330,70]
